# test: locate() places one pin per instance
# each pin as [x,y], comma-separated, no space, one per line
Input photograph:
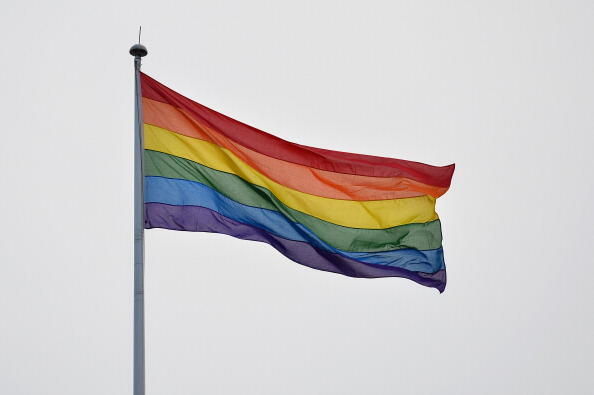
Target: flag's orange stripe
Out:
[299,177]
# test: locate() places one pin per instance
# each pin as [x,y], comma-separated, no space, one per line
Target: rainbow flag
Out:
[357,215]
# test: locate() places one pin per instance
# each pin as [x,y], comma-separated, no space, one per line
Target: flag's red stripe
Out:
[302,178]
[267,144]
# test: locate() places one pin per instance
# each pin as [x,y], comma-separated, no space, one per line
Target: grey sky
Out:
[503,88]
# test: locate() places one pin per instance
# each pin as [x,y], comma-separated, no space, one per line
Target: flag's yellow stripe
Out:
[371,214]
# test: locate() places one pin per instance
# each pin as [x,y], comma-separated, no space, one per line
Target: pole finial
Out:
[138,50]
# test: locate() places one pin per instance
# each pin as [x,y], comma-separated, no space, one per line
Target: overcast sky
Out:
[504,89]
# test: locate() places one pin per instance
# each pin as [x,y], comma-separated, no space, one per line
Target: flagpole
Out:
[138,51]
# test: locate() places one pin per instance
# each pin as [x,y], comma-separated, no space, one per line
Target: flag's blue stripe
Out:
[190,193]
[200,219]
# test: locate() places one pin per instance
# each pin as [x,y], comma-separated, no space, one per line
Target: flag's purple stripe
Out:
[200,219]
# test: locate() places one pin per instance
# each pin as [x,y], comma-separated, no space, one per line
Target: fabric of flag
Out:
[357,215]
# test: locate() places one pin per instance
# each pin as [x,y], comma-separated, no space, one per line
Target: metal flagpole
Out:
[138,51]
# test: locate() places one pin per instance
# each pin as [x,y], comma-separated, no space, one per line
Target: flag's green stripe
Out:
[426,236]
